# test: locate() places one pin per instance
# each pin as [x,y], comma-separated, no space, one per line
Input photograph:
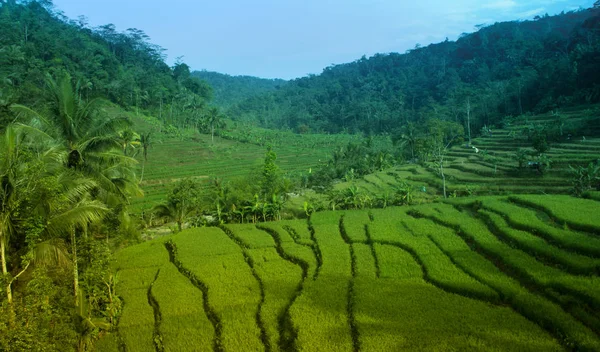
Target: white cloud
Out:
[501,5]
[530,13]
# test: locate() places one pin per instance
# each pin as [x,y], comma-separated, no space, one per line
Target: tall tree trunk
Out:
[143,167]
[9,297]
[75,268]
[212,133]
[442,174]
[468,119]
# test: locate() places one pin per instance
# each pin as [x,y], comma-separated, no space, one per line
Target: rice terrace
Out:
[436,197]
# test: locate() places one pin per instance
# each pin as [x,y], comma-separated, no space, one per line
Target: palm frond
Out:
[51,254]
[22,110]
[80,214]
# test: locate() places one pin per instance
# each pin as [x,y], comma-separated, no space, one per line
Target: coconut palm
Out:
[145,141]
[213,119]
[90,138]
[11,181]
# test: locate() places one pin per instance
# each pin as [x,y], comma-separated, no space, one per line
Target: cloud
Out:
[501,5]
[530,13]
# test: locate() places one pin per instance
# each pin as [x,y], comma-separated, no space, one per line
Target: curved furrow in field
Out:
[350,294]
[525,218]
[287,339]
[156,336]
[520,294]
[208,309]
[320,314]
[574,213]
[536,246]
[317,249]
[373,252]
[259,321]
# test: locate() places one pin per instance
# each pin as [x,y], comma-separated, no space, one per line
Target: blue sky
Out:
[293,38]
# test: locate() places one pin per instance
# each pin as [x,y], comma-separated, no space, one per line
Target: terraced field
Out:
[515,273]
[174,159]
[491,169]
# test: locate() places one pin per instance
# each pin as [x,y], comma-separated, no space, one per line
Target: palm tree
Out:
[91,140]
[146,142]
[174,211]
[11,181]
[129,140]
[213,119]
[72,213]
[181,203]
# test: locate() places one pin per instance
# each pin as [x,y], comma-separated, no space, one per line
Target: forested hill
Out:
[230,90]
[504,69]
[37,40]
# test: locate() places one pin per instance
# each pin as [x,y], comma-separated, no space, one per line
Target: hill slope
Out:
[504,69]
[230,90]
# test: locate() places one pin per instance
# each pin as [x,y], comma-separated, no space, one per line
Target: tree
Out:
[11,186]
[213,119]
[145,141]
[89,138]
[71,212]
[442,134]
[181,203]
[128,140]
[270,182]
[585,178]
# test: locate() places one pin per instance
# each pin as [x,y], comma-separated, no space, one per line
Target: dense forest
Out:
[230,90]
[124,67]
[503,69]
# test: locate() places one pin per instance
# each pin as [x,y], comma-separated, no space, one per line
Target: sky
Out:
[293,38]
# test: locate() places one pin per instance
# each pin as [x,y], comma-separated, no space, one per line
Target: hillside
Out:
[509,273]
[231,90]
[126,68]
[503,69]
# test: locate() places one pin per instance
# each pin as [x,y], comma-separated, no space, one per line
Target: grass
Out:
[138,267]
[320,314]
[528,219]
[184,325]
[233,292]
[579,214]
[280,280]
[251,236]
[473,274]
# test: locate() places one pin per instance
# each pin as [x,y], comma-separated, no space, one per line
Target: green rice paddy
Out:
[512,273]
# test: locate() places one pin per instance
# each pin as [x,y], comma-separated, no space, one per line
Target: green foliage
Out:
[181,203]
[125,67]
[353,161]
[471,80]
[585,179]
[270,182]
[229,90]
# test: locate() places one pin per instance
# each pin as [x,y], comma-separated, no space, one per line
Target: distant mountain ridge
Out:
[229,90]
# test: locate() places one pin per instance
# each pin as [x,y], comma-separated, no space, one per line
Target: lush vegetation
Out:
[230,90]
[289,238]
[125,67]
[387,278]
[503,69]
